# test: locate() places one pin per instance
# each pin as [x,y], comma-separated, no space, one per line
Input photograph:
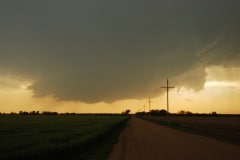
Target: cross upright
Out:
[167,87]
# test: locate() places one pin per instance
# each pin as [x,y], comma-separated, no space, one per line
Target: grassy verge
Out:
[105,145]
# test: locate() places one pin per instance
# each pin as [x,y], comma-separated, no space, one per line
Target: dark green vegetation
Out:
[221,127]
[58,136]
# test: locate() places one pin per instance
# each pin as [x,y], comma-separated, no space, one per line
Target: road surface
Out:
[143,140]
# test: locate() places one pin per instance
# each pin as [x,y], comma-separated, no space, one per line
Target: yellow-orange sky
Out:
[220,93]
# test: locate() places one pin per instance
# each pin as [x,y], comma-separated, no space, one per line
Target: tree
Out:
[214,113]
[188,113]
[181,112]
[162,112]
[126,112]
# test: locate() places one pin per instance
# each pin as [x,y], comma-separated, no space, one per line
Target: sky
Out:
[108,56]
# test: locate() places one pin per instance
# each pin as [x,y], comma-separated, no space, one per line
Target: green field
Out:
[58,136]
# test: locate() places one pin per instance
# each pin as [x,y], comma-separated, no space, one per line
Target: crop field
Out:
[226,128]
[58,136]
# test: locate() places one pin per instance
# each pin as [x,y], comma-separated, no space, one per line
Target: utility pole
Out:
[167,87]
[149,104]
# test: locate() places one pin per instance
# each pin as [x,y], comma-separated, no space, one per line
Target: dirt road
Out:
[143,140]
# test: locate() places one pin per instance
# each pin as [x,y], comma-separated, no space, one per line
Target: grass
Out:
[58,136]
[224,128]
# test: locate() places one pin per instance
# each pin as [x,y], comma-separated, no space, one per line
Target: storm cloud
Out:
[108,50]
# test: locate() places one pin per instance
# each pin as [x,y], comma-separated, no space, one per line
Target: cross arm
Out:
[167,87]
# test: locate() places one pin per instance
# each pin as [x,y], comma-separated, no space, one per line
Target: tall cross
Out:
[167,87]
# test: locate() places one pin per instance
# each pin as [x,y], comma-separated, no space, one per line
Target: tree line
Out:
[66,113]
[163,112]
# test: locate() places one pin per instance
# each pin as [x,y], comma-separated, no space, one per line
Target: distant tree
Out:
[34,112]
[67,113]
[140,113]
[154,112]
[162,112]
[214,113]
[23,113]
[188,113]
[126,112]
[49,113]
[181,112]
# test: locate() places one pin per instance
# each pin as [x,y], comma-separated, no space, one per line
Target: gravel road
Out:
[143,140]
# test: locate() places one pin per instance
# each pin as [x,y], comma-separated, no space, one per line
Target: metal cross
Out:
[167,87]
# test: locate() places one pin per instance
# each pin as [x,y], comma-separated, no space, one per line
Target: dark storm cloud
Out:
[108,50]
